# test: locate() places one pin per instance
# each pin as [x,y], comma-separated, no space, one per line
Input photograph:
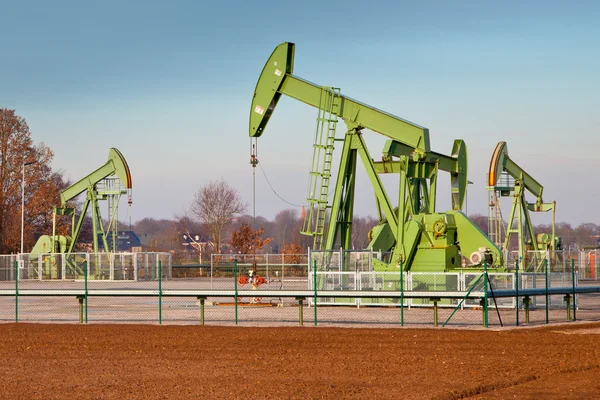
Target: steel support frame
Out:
[415,194]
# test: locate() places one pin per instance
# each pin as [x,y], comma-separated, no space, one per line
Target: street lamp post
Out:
[23,201]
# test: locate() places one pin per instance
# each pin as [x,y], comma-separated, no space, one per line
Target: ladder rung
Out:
[328,117]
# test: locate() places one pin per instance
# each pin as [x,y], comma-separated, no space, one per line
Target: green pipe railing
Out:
[488,293]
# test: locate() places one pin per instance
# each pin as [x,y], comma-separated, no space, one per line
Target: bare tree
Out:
[361,226]
[158,234]
[217,204]
[286,227]
[481,221]
[148,226]
[586,234]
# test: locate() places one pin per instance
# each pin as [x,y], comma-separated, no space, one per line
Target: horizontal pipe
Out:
[301,293]
[242,293]
[540,291]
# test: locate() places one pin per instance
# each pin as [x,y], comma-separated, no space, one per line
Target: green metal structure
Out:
[519,221]
[106,183]
[414,234]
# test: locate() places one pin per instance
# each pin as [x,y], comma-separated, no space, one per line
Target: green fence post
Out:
[80,300]
[85,278]
[401,295]
[485,295]
[235,289]
[315,290]
[517,290]
[300,311]
[201,300]
[435,310]
[567,299]
[16,291]
[546,290]
[573,283]
[159,292]
[526,302]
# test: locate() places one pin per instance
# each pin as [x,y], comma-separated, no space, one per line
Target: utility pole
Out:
[23,201]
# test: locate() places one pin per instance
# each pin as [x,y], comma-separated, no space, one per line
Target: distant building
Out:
[193,240]
[126,241]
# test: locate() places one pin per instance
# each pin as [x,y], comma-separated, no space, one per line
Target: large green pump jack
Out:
[418,237]
[519,222]
[99,185]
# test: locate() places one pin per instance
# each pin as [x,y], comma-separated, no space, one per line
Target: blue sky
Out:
[170,85]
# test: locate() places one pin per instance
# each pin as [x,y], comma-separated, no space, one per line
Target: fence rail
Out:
[334,297]
[101,266]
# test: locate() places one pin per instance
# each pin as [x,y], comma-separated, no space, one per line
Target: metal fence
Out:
[100,266]
[278,292]
[586,262]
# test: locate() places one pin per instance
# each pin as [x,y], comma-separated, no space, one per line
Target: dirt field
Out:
[61,361]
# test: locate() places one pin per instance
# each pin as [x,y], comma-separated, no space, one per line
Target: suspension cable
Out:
[276,194]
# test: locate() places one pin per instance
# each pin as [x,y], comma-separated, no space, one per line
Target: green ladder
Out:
[320,172]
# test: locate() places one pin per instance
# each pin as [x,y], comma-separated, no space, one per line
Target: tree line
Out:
[244,234]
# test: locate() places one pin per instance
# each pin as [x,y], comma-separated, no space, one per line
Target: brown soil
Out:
[172,362]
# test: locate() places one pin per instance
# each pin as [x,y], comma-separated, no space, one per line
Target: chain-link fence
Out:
[324,288]
[101,266]
[52,287]
[586,262]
